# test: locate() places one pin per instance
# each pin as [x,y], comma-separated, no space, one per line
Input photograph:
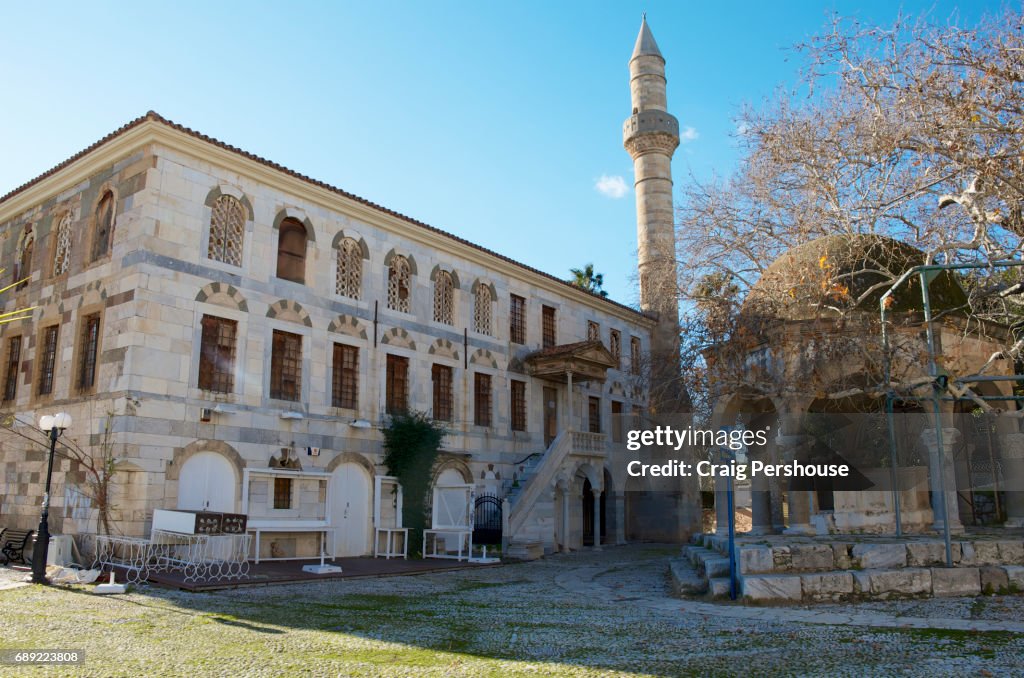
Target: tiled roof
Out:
[565,349]
[156,117]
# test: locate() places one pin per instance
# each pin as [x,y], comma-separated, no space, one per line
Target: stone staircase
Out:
[527,470]
[531,522]
[789,569]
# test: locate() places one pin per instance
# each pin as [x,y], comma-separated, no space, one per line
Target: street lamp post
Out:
[53,427]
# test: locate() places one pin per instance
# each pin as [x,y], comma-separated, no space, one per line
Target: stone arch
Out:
[354,458]
[444,348]
[408,257]
[484,358]
[398,336]
[223,294]
[286,309]
[364,249]
[93,294]
[233,191]
[299,215]
[347,325]
[450,461]
[585,469]
[181,455]
[451,271]
[485,283]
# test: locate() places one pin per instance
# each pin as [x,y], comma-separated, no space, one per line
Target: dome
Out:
[823,276]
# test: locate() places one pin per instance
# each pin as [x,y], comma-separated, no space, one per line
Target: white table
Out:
[260,526]
[464,535]
[390,550]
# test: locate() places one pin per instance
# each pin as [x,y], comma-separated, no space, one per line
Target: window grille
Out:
[397,386]
[482,399]
[48,360]
[444,292]
[634,354]
[217,354]
[548,326]
[593,331]
[227,231]
[286,366]
[13,362]
[349,279]
[482,309]
[594,415]
[62,246]
[615,347]
[345,383]
[441,375]
[399,275]
[89,346]
[517,319]
[518,405]
[282,493]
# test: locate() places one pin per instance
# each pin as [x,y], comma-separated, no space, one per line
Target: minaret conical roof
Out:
[645,45]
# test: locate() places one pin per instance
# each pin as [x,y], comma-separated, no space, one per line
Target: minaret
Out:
[651,136]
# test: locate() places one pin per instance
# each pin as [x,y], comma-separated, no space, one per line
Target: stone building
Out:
[221,313]
[803,369]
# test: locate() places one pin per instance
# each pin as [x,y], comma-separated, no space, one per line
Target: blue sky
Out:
[495,121]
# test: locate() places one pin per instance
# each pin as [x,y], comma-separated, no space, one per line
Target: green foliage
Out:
[585,279]
[411,444]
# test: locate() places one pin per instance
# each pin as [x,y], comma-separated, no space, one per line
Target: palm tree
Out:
[587,280]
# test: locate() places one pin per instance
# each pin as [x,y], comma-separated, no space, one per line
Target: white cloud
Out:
[687,135]
[612,187]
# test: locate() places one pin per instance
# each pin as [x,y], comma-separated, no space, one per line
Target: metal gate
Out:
[487,520]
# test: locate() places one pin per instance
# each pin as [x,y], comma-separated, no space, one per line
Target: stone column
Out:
[619,509]
[563,486]
[760,506]
[943,464]
[799,500]
[597,518]
[1012,458]
[721,506]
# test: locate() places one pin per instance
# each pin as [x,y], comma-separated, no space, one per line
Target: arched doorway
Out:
[350,510]
[207,482]
[588,515]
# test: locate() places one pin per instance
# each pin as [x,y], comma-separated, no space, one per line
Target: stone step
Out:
[525,550]
[685,580]
[718,587]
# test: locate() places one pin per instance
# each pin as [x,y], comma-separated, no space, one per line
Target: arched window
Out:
[349,280]
[398,284]
[444,290]
[227,231]
[482,309]
[103,227]
[291,251]
[62,246]
[23,269]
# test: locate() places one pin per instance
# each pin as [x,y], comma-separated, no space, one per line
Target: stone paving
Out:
[585,614]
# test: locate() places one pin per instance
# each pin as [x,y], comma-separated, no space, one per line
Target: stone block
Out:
[1015,575]
[841,556]
[1011,552]
[967,554]
[783,558]
[925,554]
[719,587]
[771,587]
[812,557]
[716,567]
[756,559]
[880,555]
[826,584]
[685,581]
[956,581]
[986,553]
[993,578]
[903,581]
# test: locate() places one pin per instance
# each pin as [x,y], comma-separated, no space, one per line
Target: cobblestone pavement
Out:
[585,614]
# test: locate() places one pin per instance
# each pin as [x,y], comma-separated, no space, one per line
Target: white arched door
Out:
[207,483]
[350,510]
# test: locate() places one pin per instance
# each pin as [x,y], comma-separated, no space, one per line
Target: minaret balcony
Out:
[650,122]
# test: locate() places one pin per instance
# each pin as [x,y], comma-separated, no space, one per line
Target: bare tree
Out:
[903,146]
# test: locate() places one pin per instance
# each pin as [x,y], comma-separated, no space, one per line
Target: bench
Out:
[13,545]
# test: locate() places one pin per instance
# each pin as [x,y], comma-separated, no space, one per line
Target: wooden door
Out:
[550,415]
